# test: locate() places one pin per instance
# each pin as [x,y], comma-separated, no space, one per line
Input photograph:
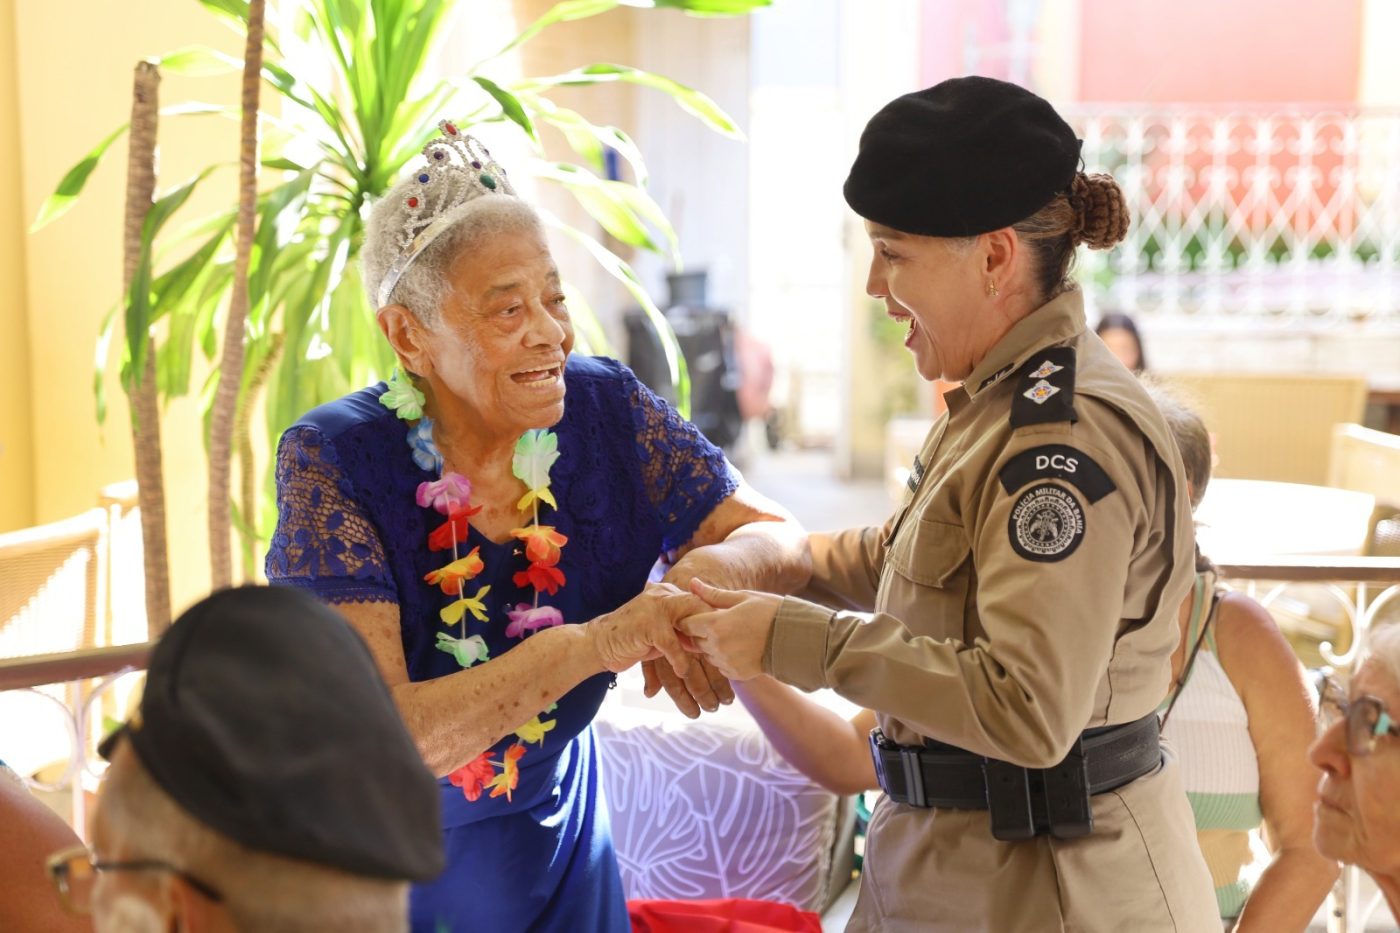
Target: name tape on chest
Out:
[915,474]
[1046,524]
[1056,461]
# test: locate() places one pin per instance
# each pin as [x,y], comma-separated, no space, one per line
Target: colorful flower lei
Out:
[450,496]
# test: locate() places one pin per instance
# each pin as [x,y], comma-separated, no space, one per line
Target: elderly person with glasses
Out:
[237,799]
[1357,813]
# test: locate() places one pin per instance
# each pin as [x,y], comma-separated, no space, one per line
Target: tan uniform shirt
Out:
[1026,591]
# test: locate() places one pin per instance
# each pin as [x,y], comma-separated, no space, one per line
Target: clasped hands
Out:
[692,643]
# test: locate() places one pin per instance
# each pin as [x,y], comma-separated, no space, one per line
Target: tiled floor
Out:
[805,482]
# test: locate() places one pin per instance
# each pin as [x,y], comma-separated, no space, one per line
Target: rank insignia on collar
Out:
[996,376]
[1047,368]
[1041,391]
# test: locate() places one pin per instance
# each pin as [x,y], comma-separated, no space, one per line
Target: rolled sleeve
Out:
[797,645]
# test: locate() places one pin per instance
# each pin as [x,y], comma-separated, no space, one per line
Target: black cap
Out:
[265,719]
[961,158]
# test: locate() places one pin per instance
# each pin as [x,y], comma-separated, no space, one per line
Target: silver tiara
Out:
[459,169]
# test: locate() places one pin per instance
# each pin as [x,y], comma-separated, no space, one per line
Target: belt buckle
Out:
[913,776]
[914,793]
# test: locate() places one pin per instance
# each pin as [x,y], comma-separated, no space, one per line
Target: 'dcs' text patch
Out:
[1046,524]
[1056,461]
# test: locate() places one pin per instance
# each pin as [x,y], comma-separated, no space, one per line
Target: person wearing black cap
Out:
[265,784]
[1024,597]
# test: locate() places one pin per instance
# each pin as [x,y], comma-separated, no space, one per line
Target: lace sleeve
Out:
[324,540]
[685,475]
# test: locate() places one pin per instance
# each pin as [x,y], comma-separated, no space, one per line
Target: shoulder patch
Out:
[1057,461]
[1046,524]
[1044,388]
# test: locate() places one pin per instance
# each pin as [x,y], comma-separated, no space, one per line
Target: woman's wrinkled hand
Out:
[732,633]
[644,628]
[706,688]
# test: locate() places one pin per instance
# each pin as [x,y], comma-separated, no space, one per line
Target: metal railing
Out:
[85,677]
[1262,213]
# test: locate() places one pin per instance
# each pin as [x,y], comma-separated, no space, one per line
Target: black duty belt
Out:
[1022,802]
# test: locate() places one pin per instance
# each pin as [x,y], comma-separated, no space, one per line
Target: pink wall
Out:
[1220,51]
[945,28]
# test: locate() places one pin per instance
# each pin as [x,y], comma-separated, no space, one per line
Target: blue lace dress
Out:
[633,480]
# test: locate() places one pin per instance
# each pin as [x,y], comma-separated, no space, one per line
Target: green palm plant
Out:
[309,334]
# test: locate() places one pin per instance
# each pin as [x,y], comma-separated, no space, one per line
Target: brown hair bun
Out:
[1100,211]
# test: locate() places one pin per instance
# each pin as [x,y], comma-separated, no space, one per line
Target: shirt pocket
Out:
[929,572]
[927,552]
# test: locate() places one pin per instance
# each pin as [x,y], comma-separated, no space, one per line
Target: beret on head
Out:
[265,719]
[961,158]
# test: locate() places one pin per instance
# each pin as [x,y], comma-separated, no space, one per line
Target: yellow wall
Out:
[74,63]
[16,435]
[69,85]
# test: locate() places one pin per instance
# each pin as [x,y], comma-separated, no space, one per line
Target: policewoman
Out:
[1015,619]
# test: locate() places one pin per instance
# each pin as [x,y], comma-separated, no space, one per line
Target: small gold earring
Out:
[992,288]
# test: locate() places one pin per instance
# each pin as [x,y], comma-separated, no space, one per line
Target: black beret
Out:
[265,718]
[961,158]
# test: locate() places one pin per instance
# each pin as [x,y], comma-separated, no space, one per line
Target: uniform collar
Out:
[1054,322]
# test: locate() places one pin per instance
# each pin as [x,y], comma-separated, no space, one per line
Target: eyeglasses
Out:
[74,874]
[1366,718]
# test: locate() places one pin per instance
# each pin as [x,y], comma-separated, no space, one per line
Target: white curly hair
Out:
[424,286]
[1383,648]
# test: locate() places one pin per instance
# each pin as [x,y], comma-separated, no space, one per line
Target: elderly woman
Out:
[485,538]
[1025,597]
[1357,817]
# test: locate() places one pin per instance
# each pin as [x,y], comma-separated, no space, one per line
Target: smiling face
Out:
[938,288]
[497,347]
[1357,814]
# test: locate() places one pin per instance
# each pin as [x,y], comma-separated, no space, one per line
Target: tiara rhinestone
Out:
[459,169]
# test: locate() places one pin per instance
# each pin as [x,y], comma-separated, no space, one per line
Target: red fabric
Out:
[732,915]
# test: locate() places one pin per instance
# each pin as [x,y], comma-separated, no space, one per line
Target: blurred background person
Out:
[1120,333]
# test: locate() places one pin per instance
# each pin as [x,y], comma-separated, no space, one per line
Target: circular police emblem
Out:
[1047,523]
